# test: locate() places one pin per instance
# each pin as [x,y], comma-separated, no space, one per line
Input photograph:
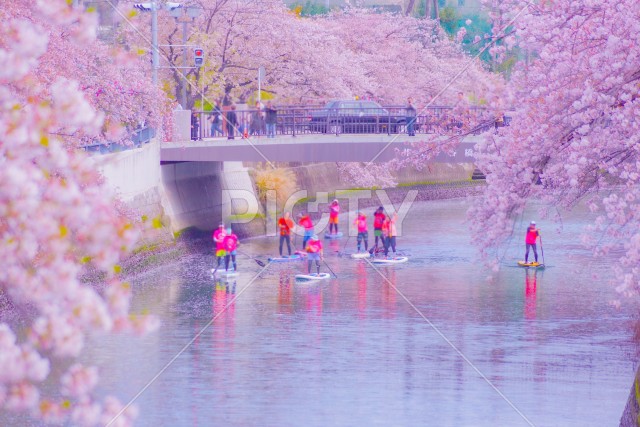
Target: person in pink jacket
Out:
[218,237]
[363,235]
[391,232]
[314,253]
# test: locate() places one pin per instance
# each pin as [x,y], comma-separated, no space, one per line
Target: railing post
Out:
[389,123]
[294,123]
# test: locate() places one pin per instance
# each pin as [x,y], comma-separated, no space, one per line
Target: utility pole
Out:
[154,42]
[183,89]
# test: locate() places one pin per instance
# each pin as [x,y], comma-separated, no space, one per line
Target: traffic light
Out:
[198,56]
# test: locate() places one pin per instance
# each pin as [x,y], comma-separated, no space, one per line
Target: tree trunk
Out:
[410,7]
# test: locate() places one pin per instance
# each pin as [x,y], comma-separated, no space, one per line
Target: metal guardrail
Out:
[384,120]
[138,138]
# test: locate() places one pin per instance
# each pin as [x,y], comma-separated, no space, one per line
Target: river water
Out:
[435,341]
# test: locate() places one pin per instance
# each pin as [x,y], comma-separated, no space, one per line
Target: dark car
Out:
[357,117]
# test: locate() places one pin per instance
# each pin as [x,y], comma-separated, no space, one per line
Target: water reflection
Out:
[351,351]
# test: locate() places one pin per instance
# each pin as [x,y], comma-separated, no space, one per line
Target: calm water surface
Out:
[490,351]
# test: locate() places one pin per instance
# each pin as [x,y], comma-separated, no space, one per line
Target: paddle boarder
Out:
[314,253]
[389,228]
[363,235]
[307,224]
[334,211]
[218,237]
[230,243]
[378,220]
[285,224]
[530,240]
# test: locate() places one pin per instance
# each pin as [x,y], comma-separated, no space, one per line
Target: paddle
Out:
[260,263]
[541,249]
[325,263]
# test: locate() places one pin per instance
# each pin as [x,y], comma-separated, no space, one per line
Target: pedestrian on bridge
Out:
[216,119]
[195,127]
[257,120]
[271,119]
[232,121]
[411,117]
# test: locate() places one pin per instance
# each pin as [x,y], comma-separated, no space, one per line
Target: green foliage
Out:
[309,9]
[449,20]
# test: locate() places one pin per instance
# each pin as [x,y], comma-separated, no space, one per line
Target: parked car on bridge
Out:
[356,117]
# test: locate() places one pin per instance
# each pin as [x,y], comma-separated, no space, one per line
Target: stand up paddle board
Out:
[361,255]
[333,236]
[294,257]
[396,260]
[530,264]
[305,277]
[224,273]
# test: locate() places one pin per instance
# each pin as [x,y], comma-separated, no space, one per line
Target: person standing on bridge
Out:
[232,121]
[271,119]
[256,120]
[215,119]
[411,118]
[195,127]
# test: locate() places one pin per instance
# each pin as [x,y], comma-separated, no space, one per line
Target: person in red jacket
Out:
[305,221]
[285,224]
[230,244]
[218,237]
[378,220]
[530,241]
[314,253]
[334,211]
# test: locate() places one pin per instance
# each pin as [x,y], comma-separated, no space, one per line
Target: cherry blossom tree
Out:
[574,134]
[114,82]
[404,56]
[55,218]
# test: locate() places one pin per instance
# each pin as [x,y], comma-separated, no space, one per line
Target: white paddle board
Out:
[224,273]
[295,257]
[304,277]
[333,236]
[361,255]
[396,260]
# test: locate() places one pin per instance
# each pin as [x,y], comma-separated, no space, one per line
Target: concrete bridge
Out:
[307,148]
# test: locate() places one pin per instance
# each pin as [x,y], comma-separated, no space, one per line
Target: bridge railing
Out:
[294,120]
[138,138]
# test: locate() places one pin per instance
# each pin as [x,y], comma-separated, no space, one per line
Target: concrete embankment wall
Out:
[631,415]
[200,194]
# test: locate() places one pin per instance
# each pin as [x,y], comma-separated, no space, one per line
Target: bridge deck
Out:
[305,148]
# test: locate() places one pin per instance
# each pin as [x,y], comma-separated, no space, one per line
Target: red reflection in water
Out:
[530,285]
[223,330]
[362,290]
[389,292]
[285,293]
